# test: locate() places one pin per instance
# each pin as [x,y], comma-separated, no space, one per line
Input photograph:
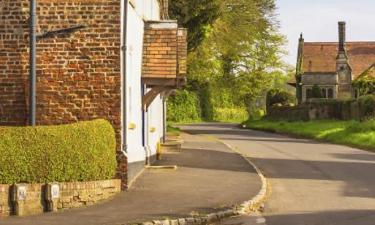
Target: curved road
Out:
[312,183]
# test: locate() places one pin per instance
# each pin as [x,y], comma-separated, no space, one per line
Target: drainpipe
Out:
[164,119]
[124,74]
[32,75]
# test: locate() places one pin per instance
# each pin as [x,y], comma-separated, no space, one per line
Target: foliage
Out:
[365,83]
[197,16]
[230,114]
[367,106]
[234,56]
[316,92]
[78,152]
[184,107]
[277,96]
[173,130]
[352,133]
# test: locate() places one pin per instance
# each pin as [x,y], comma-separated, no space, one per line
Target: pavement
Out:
[312,183]
[210,177]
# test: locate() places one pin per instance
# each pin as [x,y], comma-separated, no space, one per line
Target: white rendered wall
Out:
[135,32]
[155,122]
[138,12]
[147,9]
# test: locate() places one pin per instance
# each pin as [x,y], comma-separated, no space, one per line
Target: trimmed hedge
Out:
[83,151]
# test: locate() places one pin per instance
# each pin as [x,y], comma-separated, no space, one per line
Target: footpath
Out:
[210,177]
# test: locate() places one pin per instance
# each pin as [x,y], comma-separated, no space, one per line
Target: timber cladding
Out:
[78,63]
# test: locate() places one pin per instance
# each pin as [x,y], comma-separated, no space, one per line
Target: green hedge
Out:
[230,114]
[82,151]
[184,106]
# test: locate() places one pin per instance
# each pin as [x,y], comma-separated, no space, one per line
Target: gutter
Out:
[32,64]
[124,74]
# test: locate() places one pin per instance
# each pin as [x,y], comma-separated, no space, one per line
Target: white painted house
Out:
[146,124]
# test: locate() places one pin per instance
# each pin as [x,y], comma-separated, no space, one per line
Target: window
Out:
[308,93]
[330,93]
[324,93]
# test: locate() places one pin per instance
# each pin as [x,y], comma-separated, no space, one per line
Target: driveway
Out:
[312,183]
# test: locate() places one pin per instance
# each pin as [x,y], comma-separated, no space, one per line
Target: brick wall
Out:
[160,50]
[72,195]
[13,28]
[182,51]
[78,73]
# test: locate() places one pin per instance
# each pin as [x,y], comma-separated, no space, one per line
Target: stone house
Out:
[111,59]
[332,66]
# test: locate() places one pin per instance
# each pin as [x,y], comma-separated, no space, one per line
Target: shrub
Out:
[183,107]
[277,96]
[230,114]
[82,151]
[367,106]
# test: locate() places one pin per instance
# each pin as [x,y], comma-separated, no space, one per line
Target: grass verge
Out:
[351,133]
[173,130]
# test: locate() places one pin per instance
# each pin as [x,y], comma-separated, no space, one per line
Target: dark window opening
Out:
[324,93]
[330,93]
[308,93]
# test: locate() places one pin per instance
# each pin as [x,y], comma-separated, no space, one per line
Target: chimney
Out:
[342,36]
[301,43]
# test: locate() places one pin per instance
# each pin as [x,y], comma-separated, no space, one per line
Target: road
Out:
[312,183]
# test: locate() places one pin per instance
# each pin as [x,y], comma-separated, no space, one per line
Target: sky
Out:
[317,20]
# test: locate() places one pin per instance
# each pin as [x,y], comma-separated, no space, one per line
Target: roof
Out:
[320,57]
[370,72]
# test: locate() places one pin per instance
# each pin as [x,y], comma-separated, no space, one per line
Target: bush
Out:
[183,107]
[277,96]
[82,151]
[367,106]
[230,114]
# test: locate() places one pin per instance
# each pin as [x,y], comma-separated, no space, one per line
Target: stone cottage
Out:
[332,66]
[111,59]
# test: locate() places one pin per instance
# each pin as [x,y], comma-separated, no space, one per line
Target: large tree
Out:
[235,48]
[197,16]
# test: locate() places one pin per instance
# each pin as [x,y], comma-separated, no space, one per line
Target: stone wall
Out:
[315,110]
[72,195]
[78,63]
[289,113]
[5,204]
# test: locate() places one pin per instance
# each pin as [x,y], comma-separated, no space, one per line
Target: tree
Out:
[197,16]
[235,49]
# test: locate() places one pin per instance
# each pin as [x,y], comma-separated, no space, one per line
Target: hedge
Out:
[230,114]
[184,106]
[83,151]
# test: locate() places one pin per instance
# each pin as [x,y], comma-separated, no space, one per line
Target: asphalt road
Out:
[312,183]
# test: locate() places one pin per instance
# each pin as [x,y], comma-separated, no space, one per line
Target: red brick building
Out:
[333,66]
[82,68]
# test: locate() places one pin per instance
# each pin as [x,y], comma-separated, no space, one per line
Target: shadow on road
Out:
[346,217]
[354,170]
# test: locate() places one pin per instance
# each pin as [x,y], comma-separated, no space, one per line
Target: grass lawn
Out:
[173,130]
[351,133]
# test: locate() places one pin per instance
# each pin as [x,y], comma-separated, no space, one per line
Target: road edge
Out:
[245,208]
